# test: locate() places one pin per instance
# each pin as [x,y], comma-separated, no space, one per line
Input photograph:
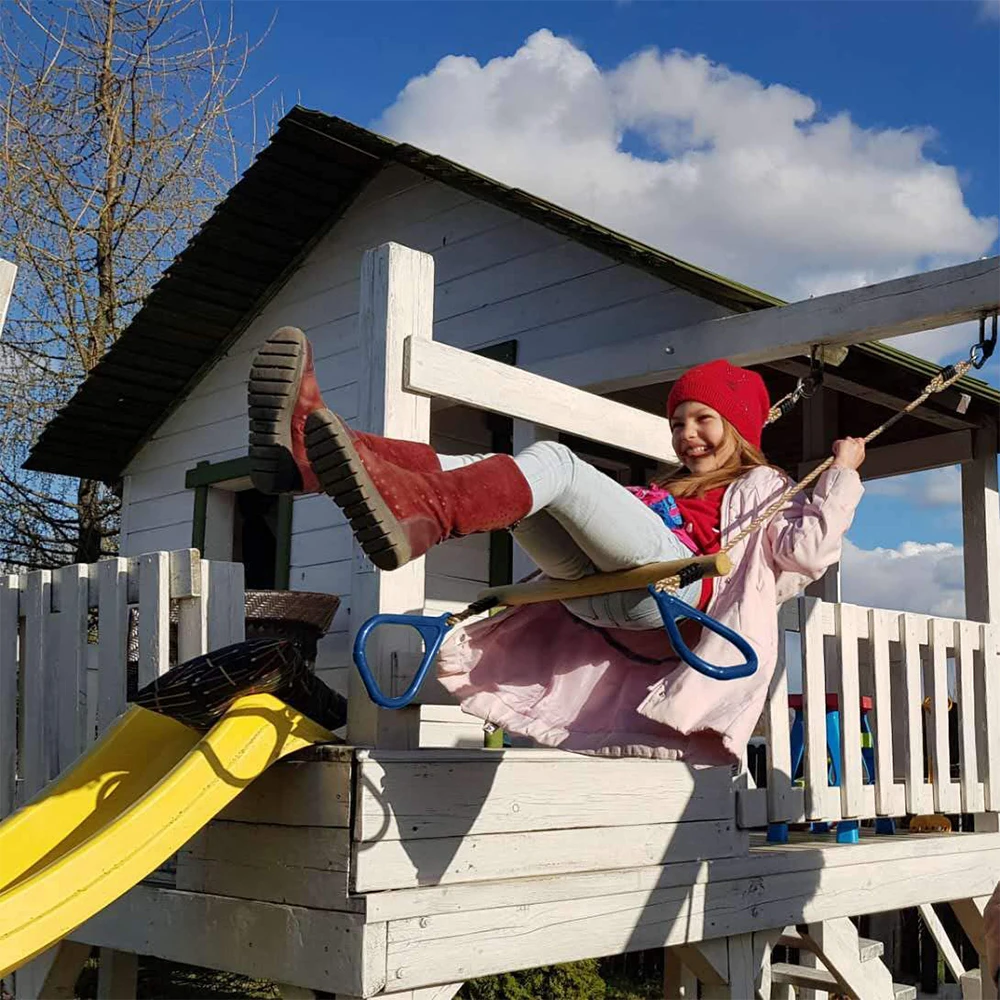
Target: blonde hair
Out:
[743,458]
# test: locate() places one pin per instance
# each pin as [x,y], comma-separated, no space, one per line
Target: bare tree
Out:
[116,135]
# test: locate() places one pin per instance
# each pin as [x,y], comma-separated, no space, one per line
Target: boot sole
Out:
[345,480]
[273,389]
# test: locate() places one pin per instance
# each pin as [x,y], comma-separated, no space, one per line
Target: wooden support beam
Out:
[8,272]
[933,924]
[445,372]
[981,529]
[397,303]
[117,975]
[882,461]
[888,309]
[53,975]
[948,400]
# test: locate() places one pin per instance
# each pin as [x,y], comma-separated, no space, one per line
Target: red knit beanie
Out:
[737,393]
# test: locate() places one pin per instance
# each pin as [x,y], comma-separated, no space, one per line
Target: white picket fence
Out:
[901,661]
[64,655]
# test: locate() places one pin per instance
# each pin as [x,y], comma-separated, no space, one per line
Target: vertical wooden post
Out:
[397,302]
[981,529]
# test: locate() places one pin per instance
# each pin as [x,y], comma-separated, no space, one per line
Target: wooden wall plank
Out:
[393,864]
[154,616]
[112,637]
[495,793]
[296,793]
[9,597]
[322,949]
[38,751]
[486,941]
[71,591]
[972,787]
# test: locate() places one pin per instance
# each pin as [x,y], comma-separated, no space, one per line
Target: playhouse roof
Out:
[299,185]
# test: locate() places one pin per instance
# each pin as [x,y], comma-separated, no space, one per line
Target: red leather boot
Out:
[398,514]
[281,394]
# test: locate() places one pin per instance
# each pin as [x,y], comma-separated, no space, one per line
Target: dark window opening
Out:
[255,538]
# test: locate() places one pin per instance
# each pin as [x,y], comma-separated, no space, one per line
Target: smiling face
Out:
[700,438]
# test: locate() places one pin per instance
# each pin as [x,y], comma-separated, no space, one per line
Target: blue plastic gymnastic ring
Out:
[672,607]
[432,631]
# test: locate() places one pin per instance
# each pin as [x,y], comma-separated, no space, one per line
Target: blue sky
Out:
[887,110]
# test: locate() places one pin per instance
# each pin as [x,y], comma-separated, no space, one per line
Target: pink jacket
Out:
[539,672]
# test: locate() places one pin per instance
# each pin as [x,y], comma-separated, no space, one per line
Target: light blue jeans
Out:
[583,522]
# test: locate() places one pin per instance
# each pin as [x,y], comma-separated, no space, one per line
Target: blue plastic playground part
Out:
[672,608]
[432,631]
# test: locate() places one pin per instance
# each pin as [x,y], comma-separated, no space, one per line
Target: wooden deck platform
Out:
[361,872]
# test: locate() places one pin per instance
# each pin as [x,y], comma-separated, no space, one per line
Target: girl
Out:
[614,687]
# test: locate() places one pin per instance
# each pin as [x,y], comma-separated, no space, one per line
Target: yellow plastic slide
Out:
[125,807]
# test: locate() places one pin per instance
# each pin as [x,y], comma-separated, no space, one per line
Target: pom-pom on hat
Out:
[738,394]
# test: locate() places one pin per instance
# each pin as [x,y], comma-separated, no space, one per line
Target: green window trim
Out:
[204,476]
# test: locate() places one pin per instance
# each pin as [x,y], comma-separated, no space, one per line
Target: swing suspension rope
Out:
[663,580]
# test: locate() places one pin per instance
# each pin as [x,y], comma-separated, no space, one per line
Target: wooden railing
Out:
[915,669]
[64,650]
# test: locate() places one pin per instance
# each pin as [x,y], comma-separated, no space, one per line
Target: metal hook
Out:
[982,351]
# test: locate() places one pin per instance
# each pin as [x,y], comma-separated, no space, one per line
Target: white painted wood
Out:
[708,960]
[509,792]
[763,862]
[947,793]
[972,985]
[445,372]
[397,295]
[476,942]
[296,793]
[836,943]
[154,616]
[887,309]
[227,605]
[39,752]
[394,864]
[9,599]
[327,950]
[819,797]
[919,795]
[852,803]
[972,788]
[70,600]
[761,946]
[299,865]
[192,616]
[53,975]
[679,982]
[889,797]
[8,272]
[785,803]
[990,761]
[112,635]
[981,530]
[933,924]
[117,975]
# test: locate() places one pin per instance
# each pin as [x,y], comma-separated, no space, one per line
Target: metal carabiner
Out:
[432,632]
[672,607]
[983,351]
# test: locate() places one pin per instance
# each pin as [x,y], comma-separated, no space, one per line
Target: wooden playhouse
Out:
[411,858]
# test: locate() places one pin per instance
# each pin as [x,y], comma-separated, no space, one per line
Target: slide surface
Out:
[136,798]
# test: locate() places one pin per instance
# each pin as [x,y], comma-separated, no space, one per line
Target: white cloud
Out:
[745,178]
[990,9]
[933,488]
[927,578]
